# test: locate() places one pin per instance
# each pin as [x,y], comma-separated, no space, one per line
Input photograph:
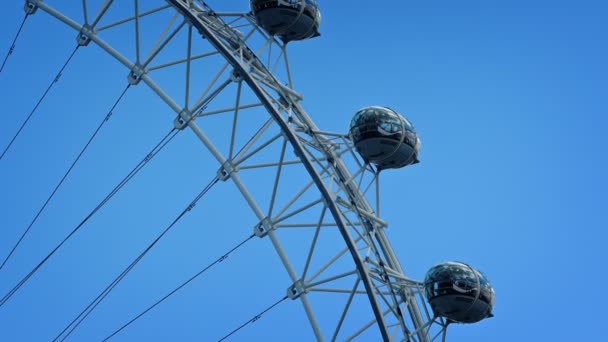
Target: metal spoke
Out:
[369,185]
[102,11]
[233,21]
[277,61]
[314,242]
[297,211]
[362,212]
[377,178]
[332,290]
[137,46]
[227,110]
[390,306]
[324,168]
[361,236]
[289,79]
[275,187]
[188,63]
[263,165]
[235,119]
[85,12]
[305,225]
[199,104]
[241,159]
[204,102]
[241,26]
[331,262]
[295,198]
[353,176]
[231,14]
[126,20]
[269,55]
[363,328]
[330,279]
[332,134]
[162,42]
[346,307]
[183,60]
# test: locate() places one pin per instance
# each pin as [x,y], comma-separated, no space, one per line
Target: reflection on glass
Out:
[447,287]
[384,137]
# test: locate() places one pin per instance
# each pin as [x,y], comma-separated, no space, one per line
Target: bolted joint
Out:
[226,170]
[182,119]
[30,7]
[235,76]
[136,73]
[295,290]
[263,228]
[85,34]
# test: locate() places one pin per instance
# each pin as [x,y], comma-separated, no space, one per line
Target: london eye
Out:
[208,90]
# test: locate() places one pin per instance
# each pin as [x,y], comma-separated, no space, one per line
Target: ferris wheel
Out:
[225,76]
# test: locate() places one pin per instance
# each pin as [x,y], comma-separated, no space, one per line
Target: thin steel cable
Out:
[91,307]
[217,261]
[105,119]
[55,80]
[164,141]
[254,319]
[113,284]
[12,48]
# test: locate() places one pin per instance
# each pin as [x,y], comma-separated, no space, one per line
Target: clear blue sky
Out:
[509,101]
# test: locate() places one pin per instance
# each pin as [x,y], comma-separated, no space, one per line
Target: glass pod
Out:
[288,19]
[384,137]
[459,292]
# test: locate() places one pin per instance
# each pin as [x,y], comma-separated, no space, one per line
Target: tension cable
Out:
[105,119]
[253,319]
[161,144]
[85,313]
[12,48]
[55,80]
[217,261]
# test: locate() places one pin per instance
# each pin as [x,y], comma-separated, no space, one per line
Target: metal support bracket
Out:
[30,7]
[182,119]
[226,170]
[263,228]
[236,77]
[136,73]
[85,34]
[295,290]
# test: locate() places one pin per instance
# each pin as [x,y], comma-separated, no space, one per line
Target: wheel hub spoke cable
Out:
[222,258]
[55,80]
[217,261]
[105,119]
[12,48]
[253,319]
[161,144]
[71,327]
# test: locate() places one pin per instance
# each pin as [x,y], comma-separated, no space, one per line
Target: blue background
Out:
[509,99]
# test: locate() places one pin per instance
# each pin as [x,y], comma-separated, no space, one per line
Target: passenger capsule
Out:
[385,138]
[459,292]
[288,19]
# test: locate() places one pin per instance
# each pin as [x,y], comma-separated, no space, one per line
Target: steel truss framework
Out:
[330,199]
